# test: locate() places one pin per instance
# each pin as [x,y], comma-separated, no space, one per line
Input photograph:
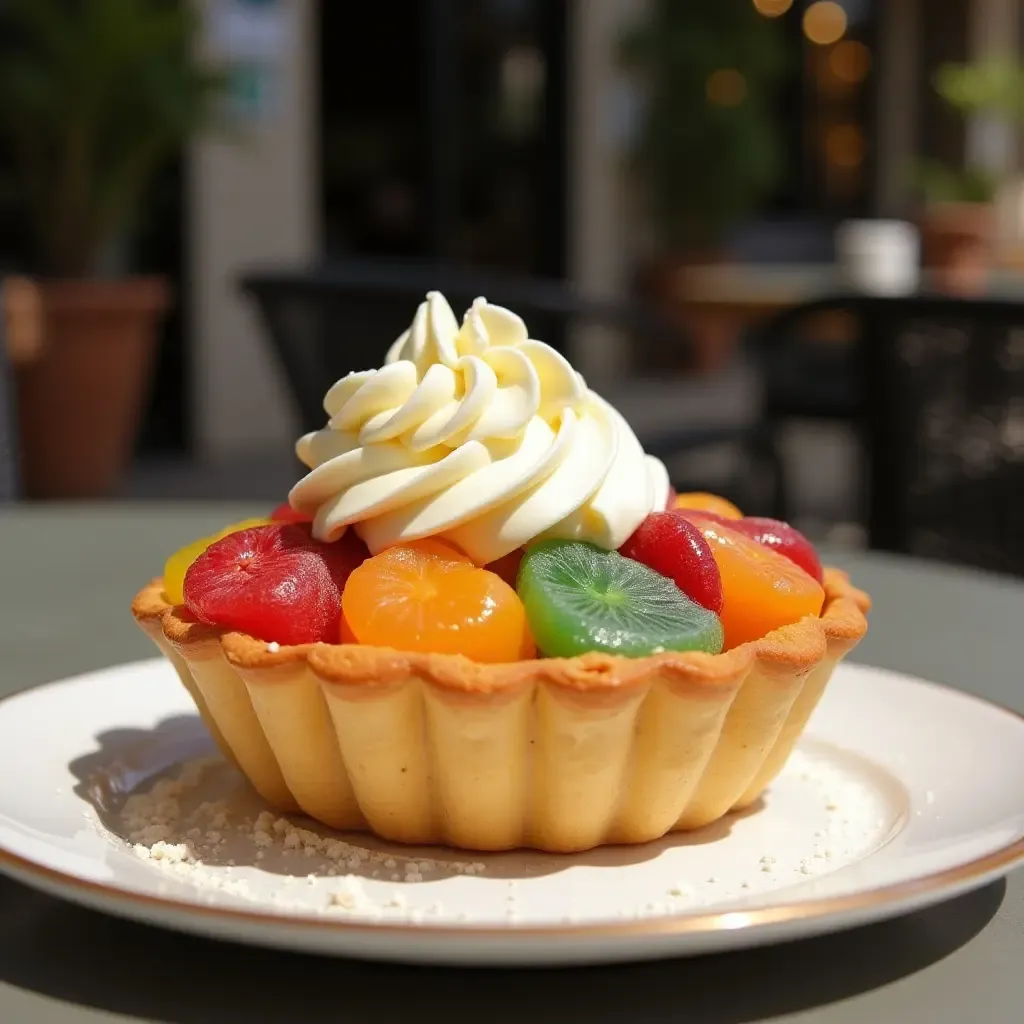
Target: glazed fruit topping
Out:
[284,513]
[177,565]
[581,598]
[714,503]
[774,533]
[427,596]
[698,576]
[762,589]
[274,582]
[672,545]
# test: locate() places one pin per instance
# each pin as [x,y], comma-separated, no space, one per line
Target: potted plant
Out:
[707,150]
[957,218]
[95,98]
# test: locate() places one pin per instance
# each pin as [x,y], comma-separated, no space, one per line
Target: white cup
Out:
[879,257]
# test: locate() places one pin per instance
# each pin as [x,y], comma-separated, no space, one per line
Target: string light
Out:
[726,87]
[772,8]
[824,22]
[850,61]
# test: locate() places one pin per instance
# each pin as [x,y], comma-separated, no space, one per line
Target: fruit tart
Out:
[483,618]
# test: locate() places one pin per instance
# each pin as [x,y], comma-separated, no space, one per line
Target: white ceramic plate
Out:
[903,793]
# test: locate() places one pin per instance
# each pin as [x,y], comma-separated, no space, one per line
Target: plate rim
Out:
[861,905]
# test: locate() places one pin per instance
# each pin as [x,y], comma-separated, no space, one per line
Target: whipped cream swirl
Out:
[477,434]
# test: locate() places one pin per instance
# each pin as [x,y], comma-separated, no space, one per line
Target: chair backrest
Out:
[941,397]
[944,414]
[325,323]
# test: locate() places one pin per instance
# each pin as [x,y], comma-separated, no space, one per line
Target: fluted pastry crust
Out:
[554,754]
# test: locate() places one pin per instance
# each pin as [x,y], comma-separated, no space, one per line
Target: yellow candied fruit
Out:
[244,524]
[178,564]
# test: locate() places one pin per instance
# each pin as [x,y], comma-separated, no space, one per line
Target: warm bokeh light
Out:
[850,61]
[845,145]
[726,87]
[824,22]
[772,8]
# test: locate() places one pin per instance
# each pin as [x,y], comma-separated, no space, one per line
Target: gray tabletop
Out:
[68,575]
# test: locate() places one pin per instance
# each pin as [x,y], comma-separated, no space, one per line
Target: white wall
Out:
[600,117]
[251,202]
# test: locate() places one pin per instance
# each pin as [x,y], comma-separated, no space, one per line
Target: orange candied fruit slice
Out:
[762,589]
[708,503]
[427,596]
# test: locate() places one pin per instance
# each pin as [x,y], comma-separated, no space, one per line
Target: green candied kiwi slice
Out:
[581,598]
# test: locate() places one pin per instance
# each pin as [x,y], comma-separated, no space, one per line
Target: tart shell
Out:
[559,755]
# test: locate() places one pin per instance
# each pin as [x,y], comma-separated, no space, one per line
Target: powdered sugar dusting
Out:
[203,830]
[191,839]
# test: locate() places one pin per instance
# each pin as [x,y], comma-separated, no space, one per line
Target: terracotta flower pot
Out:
[957,241]
[79,403]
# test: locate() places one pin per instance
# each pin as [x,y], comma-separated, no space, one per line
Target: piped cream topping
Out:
[478,434]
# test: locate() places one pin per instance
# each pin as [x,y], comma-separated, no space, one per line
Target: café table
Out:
[719,301]
[69,572]
[749,292]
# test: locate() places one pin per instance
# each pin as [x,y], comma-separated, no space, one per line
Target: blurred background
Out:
[784,237]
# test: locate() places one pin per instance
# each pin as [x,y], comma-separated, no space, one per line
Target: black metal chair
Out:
[936,388]
[327,322]
[8,437]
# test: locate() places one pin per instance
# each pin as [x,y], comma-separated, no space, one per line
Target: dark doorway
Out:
[161,249]
[443,132]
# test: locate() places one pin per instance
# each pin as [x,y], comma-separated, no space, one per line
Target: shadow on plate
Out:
[128,762]
[83,957]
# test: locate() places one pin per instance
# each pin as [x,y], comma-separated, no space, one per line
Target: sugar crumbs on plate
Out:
[206,845]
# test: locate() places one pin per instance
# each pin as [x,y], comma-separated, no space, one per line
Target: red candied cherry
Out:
[284,513]
[671,545]
[787,540]
[275,583]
